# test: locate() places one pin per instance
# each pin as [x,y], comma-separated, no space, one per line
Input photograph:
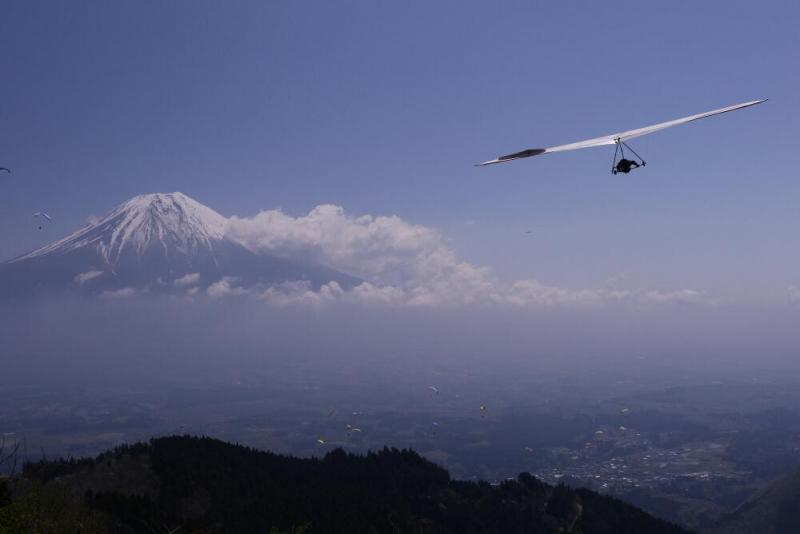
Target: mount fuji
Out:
[158,243]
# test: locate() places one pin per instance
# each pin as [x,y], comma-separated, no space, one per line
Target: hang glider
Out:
[618,139]
[43,215]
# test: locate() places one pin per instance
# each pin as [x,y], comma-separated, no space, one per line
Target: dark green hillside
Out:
[206,485]
[773,510]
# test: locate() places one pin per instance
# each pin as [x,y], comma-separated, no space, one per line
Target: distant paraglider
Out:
[4,169]
[44,218]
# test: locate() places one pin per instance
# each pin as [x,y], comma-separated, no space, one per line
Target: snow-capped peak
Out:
[171,221]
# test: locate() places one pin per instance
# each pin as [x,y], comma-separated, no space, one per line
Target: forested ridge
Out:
[200,484]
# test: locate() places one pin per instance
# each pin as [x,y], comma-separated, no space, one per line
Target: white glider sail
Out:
[616,137]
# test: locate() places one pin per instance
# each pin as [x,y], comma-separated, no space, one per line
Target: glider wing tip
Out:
[517,155]
[524,153]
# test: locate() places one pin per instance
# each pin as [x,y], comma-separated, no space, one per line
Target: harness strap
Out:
[614,162]
[632,150]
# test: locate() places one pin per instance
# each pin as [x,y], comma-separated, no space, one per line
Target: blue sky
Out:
[384,107]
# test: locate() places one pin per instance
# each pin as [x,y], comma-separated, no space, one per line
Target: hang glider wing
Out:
[621,136]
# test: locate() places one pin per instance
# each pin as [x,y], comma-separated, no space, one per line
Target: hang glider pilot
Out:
[626,165]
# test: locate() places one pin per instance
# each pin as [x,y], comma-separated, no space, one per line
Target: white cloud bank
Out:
[125,292]
[187,280]
[82,278]
[403,264]
[385,250]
